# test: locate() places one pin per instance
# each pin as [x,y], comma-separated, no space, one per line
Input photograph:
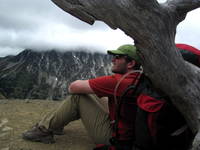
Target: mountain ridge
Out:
[47,74]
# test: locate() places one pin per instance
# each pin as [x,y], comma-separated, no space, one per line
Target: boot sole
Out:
[45,140]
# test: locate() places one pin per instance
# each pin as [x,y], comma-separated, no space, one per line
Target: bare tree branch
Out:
[184,6]
[180,8]
[76,9]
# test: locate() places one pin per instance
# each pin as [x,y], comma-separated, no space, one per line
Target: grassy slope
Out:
[16,116]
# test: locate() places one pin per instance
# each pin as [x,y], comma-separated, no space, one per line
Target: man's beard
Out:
[122,71]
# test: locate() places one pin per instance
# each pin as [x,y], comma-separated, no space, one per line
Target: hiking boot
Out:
[59,131]
[39,134]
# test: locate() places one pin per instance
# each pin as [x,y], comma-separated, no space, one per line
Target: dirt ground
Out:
[16,116]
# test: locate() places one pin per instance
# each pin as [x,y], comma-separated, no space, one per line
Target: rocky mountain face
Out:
[46,75]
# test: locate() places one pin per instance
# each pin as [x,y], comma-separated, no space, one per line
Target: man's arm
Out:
[80,87]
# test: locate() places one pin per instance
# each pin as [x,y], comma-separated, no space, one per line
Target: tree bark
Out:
[153,28]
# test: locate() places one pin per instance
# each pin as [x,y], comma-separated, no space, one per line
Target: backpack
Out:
[158,124]
[189,53]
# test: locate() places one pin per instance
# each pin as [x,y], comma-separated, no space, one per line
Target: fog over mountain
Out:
[40,24]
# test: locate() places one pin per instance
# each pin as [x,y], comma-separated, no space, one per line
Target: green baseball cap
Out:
[127,50]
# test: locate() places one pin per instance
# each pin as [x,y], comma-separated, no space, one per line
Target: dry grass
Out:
[16,116]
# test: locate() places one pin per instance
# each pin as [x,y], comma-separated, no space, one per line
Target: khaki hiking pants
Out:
[87,108]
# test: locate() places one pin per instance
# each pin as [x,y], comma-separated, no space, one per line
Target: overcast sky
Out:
[40,24]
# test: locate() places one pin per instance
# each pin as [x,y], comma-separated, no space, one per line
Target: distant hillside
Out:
[46,75]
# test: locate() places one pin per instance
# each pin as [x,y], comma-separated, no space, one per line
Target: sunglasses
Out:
[128,59]
[118,56]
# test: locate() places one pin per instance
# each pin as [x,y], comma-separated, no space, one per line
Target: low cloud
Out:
[41,25]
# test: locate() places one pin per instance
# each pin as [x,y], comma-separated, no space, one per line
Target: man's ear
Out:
[131,64]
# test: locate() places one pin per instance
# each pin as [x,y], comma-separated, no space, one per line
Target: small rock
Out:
[7,129]
[3,122]
[27,101]
[3,101]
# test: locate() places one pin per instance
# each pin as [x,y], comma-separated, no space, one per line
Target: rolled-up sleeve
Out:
[103,86]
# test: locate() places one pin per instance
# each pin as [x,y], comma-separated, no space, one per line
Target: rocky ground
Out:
[16,116]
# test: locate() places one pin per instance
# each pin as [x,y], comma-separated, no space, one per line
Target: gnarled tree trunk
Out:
[153,28]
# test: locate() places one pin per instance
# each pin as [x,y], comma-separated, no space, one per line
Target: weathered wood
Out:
[153,28]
